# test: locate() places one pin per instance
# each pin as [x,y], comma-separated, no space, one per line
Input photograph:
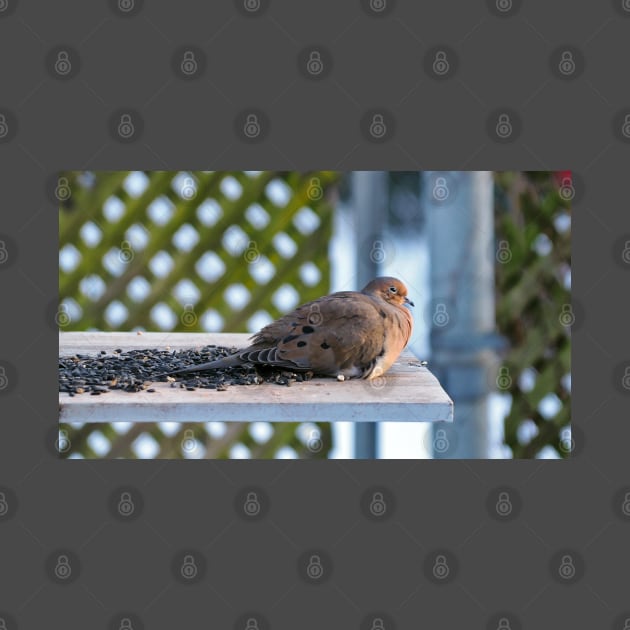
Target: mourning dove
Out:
[349,334]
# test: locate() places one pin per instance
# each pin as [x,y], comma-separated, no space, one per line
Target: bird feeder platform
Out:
[407,392]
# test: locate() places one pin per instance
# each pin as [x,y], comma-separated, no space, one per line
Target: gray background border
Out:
[504,59]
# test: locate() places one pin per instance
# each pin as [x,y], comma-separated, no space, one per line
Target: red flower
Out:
[561,178]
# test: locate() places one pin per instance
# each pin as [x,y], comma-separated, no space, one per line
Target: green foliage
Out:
[533,232]
[91,191]
[178,445]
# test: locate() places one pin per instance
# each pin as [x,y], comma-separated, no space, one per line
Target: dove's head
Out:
[389,289]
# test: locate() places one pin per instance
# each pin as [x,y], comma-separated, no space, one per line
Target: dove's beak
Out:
[408,301]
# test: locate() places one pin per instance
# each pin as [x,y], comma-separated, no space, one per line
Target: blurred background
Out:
[486,257]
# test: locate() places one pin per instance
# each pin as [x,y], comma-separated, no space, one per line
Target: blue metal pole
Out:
[460,224]
[369,199]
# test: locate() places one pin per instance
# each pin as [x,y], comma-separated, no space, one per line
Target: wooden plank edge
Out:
[244,412]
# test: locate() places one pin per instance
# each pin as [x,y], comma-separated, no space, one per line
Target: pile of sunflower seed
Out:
[136,370]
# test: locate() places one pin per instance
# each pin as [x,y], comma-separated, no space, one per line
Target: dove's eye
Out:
[393,289]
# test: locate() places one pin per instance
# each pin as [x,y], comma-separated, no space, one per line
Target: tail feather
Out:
[226,362]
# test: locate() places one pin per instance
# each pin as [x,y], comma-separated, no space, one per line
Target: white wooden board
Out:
[407,392]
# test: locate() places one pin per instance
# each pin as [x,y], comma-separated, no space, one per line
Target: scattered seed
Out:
[136,370]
